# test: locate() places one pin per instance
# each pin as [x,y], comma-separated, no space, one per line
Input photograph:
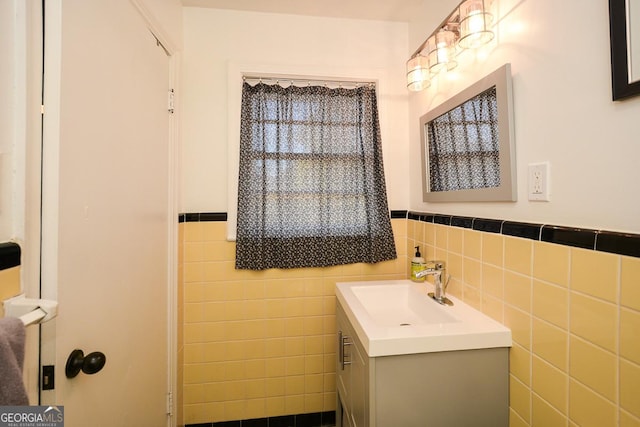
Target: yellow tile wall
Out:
[260,344]
[574,316]
[9,285]
[179,398]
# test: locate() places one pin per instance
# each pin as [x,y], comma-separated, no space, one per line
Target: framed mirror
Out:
[624,27]
[468,146]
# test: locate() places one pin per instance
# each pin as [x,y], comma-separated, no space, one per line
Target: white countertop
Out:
[393,317]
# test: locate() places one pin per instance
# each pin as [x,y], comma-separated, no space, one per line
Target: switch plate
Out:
[48,377]
[539,182]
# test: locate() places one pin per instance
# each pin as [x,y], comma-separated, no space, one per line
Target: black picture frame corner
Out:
[622,88]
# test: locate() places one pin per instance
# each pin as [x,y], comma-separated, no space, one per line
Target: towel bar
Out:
[30,311]
[34,317]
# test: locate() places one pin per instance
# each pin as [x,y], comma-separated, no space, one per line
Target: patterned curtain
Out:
[463,145]
[311,188]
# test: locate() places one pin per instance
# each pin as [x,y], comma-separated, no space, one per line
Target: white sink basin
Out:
[394,317]
[398,305]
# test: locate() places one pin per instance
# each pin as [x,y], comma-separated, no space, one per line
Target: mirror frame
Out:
[506,192]
[621,86]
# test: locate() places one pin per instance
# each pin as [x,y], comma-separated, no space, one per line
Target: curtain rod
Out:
[308,82]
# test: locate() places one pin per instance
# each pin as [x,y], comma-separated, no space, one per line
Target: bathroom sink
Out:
[393,317]
[398,305]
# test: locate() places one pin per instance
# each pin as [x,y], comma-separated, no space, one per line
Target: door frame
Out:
[48,192]
[27,62]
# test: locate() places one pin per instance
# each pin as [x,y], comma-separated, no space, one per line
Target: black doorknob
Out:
[89,364]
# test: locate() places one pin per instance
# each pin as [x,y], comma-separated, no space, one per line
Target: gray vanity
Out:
[399,366]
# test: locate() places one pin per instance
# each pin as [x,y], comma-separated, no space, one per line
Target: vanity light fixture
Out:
[467,27]
[475,22]
[418,73]
[441,48]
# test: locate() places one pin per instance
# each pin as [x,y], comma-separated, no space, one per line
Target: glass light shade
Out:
[475,23]
[418,73]
[441,50]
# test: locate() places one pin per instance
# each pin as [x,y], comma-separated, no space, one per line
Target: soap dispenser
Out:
[417,265]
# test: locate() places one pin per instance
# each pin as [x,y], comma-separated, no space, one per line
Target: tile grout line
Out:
[618,341]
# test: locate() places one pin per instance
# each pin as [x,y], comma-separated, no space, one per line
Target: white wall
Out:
[217,41]
[166,15]
[559,52]
[20,84]
[19,65]
[7,116]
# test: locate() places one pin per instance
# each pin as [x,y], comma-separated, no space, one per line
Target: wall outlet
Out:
[539,182]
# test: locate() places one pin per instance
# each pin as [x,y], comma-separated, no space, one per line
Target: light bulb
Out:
[418,73]
[475,24]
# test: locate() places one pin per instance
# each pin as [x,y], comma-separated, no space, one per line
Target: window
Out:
[311,188]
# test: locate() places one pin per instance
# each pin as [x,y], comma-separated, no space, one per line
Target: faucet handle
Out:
[438,265]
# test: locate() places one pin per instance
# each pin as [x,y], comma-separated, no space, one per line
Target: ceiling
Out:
[379,10]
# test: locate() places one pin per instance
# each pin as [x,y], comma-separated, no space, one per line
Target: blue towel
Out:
[12,390]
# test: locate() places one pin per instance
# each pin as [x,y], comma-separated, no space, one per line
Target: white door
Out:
[107,216]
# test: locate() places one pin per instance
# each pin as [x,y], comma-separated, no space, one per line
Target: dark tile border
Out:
[311,420]
[283,421]
[487,225]
[427,218]
[328,418]
[222,216]
[522,229]
[618,243]
[442,219]
[202,217]
[599,240]
[462,222]
[411,215]
[259,422]
[568,236]
[398,214]
[315,419]
[9,255]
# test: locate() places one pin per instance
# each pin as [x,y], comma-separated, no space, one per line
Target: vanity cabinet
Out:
[441,389]
[352,379]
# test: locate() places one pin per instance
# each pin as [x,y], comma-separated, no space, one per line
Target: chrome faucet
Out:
[438,270]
